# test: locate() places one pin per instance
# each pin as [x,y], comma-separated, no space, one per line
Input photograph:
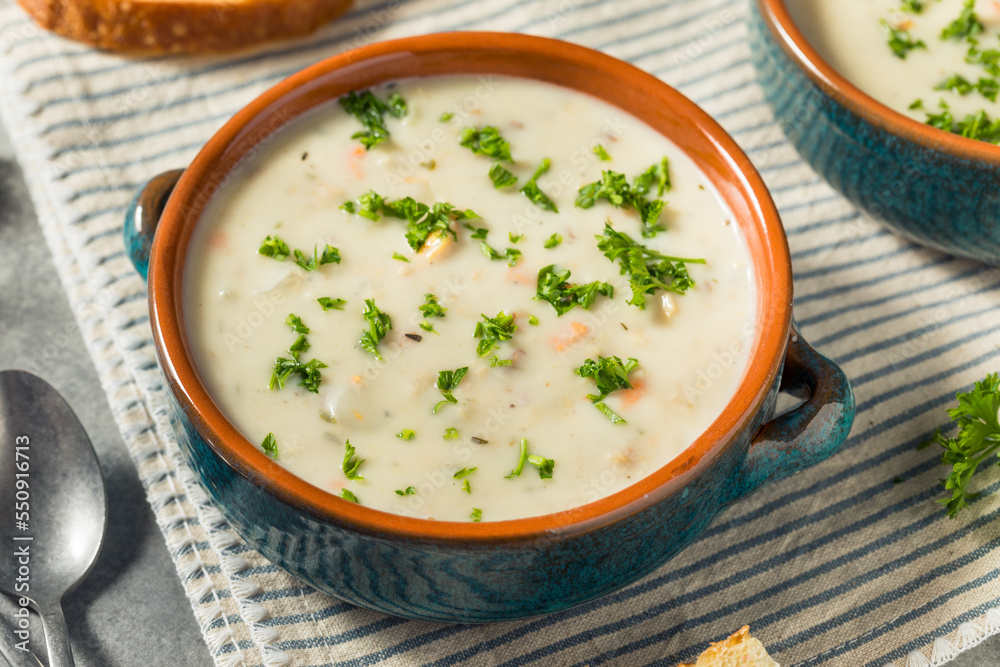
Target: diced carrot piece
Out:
[562,343]
[358,415]
[630,396]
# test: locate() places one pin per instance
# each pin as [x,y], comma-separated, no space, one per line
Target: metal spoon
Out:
[46,461]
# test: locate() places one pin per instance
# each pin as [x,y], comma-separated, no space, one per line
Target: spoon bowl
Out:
[52,491]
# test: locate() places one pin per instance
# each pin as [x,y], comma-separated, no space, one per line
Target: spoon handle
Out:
[56,635]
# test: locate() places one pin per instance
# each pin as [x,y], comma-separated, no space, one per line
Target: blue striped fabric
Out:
[849,563]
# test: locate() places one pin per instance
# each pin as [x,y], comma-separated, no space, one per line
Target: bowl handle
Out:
[809,433]
[143,215]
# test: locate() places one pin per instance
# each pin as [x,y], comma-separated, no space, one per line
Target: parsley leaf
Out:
[544,465]
[494,330]
[409,491]
[486,141]
[974,126]
[966,26]
[900,41]
[512,255]
[327,303]
[554,287]
[553,241]
[270,446]
[370,112]
[347,495]
[451,433]
[464,472]
[614,188]
[477,514]
[379,324]
[496,361]
[601,153]
[647,269]
[501,177]
[447,382]
[535,194]
[913,6]
[987,87]
[609,374]
[406,434]
[351,464]
[432,308]
[274,247]
[421,220]
[402,258]
[295,322]
[978,439]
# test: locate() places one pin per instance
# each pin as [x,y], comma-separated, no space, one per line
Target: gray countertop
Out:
[131,610]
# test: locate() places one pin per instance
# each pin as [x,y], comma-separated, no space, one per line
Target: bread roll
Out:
[739,650]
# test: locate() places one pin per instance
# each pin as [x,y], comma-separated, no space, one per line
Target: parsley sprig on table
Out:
[554,286]
[609,374]
[977,440]
[647,269]
[370,112]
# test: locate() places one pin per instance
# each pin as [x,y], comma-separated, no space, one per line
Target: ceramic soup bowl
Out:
[491,571]
[931,186]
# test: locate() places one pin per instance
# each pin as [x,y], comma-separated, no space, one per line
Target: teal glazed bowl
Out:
[933,187]
[492,571]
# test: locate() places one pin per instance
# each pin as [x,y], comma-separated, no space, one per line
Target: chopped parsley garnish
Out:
[464,472]
[428,327]
[274,247]
[900,41]
[512,255]
[379,324]
[478,233]
[989,59]
[496,361]
[609,374]
[553,241]
[447,382]
[270,446]
[501,177]
[486,141]
[406,434]
[601,153]
[647,269]
[477,514]
[347,495]
[494,330]
[309,373]
[535,194]
[300,345]
[545,466]
[554,287]
[401,258]
[532,320]
[408,491]
[331,304]
[987,87]
[614,188]
[466,486]
[913,6]
[370,112]
[514,238]
[421,220]
[966,26]
[451,433]
[351,464]
[295,322]
[277,249]
[330,256]
[431,307]
[974,126]
[977,440]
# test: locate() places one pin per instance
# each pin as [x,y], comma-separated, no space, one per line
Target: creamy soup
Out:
[570,392]
[902,52]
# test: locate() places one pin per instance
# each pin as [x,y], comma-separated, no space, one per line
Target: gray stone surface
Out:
[131,610]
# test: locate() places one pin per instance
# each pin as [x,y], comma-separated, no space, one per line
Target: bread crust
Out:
[175,26]
[737,650]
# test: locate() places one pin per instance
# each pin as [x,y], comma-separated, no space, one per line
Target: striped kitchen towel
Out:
[848,563]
